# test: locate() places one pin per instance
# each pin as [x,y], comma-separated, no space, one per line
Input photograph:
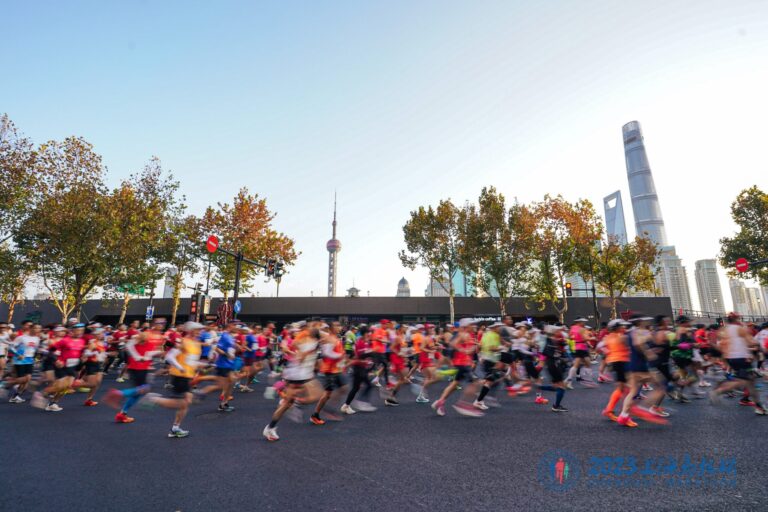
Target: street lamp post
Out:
[594,293]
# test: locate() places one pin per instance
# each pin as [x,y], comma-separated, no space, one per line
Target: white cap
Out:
[464,322]
[191,326]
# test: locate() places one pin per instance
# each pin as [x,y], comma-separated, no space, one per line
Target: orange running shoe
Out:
[90,403]
[541,400]
[317,420]
[121,417]
[626,421]
[610,415]
[646,415]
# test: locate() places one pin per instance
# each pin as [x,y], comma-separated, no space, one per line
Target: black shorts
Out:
[555,372]
[332,381]
[48,365]
[464,373]
[507,357]
[380,358]
[181,386]
[584,354]
[92,368]
[67,371]
[741,368]
[620,371]
[138,377]
[492,373]
[223,372]
[682,363]
[22,370]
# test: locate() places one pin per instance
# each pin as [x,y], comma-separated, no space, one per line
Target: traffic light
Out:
[194,306]
[270,267]
[568,290]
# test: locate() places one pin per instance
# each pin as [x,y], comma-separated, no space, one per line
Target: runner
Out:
[95,354]
[379,346]
[682,354]
[69,350]
[463,349]
[332,351]
[183,360]
[555,354]
[493,369]
[580,335]
[24,348]
[398,355]
[617,356]
[735,344]
[361,364]
[299,376]
[427,358]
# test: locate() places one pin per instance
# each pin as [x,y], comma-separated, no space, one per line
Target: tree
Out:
[186,250]
[66,233]
[750,213]
[245,226]
[142,210]
[498,243]
[619,268]
[17,176]
[563,230]
[14,273]
[433,241]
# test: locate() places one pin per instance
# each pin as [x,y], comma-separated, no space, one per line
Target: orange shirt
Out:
[380,337]
[618,349]
[328,365]
[417,339]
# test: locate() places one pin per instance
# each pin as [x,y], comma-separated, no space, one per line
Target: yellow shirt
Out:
[188,358]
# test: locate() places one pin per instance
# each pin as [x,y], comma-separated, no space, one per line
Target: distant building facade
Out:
[708,287]
[403,288]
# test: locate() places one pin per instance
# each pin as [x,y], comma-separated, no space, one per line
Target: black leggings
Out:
[359,377]
[382,360]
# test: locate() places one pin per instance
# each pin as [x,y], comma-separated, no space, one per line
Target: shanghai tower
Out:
[671,279]
[642,190]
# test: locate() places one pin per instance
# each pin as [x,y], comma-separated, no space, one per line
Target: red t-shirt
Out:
[461,358]
[70,350]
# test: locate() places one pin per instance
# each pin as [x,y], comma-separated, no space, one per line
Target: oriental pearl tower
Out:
[333,246]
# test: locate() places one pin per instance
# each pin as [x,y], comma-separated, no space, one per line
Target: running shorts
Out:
[22,370]
[464,373]
[138,377]
[619,371]
[332,381]
[223,372]
[682,363]
[397,362]
[555,372]
[584,354]
[181,386]
[741,368]
[507,357]
[491,372]
[67,371]
[92,368]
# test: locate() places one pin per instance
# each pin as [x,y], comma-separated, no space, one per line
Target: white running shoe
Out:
[480,405]
[53,408]
[364,407]
[347,409]
[270,434]
[16,400]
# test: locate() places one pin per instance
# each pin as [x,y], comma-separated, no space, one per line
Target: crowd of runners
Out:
[329,370]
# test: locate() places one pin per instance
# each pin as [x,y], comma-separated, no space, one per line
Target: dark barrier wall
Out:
[358,309]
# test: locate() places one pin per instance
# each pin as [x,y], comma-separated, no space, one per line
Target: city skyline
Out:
[361,99]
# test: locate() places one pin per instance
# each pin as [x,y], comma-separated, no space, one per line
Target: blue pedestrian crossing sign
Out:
[150,312]
[238,307]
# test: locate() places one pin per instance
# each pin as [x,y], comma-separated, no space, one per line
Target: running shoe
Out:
[658,411]
[439,407]
[226,408]
[178,433]
[480,405]
[683,399]
[610,415]
[347,409]
[467,410]
[491,402]
[16,400]
[569,385]
[541,400]
[391,402]
[626,421]
[90,403]
[511,392]
[121,417]
[646,415]
[316,420]
[376,382]
[747,402]
[559,408]
[245,389]
[270,434]
[120,380]
[53,408]
[421,399]
[363,406]
[760,411]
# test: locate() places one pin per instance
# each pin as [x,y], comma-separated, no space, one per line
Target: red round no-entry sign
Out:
[212,244]
[742,265]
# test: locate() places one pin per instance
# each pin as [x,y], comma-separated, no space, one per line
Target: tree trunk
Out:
[177,281]
[452,309]
[503,307]
[11,307]
[614,300]
[124,309]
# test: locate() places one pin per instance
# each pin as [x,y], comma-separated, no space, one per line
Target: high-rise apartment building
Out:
[708,286]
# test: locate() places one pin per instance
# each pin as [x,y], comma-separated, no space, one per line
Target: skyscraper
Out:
[615,227]
[708,285]
[671,279]
[756,304]
[739,296]
[333,246]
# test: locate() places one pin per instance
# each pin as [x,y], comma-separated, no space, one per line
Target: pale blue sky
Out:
[398,104]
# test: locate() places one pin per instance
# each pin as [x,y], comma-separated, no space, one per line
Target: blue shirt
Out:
[206,349]
[251,343]
[227,345]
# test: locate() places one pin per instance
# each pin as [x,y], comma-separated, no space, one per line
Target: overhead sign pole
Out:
[742,264]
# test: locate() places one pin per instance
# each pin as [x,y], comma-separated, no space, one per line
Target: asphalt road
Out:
[403,458]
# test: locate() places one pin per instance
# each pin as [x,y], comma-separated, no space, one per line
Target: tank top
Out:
[618,350]
[637,356]
[188,357]
[329,365]
[737,346]
[578,339]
